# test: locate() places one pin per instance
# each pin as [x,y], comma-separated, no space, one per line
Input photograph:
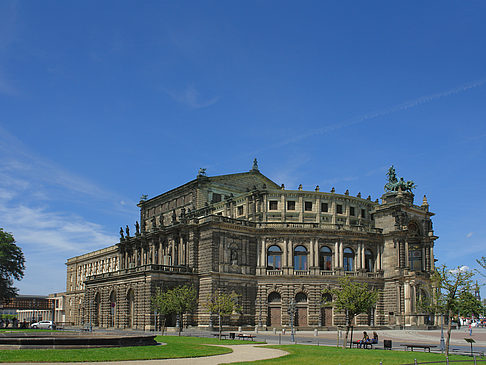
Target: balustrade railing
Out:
[141,268]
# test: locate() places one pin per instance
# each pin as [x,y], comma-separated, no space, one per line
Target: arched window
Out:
[274,258]
[300,258]
[415,257]
[326,299]
[301,298]
[274,297]
[348,259]
[369,261]
[325,258]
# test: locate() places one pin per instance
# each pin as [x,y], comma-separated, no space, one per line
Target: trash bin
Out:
[232,335]
[387,344]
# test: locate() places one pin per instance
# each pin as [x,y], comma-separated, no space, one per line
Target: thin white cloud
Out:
[30,189]
[460,269]
[23,170]
[191,97]
[366,117]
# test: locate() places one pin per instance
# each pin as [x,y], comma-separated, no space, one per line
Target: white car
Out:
[43,324]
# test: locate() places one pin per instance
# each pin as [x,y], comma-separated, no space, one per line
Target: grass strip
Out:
[325,355]
[175,347]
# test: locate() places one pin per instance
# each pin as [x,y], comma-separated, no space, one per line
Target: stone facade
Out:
[244,233]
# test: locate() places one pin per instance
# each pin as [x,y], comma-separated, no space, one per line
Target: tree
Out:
[450,284]
[179,300]
[482,263]
[12,265]
[468,305]
[353,298]
[223,304]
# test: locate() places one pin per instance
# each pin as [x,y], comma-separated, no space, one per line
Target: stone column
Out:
[432,262]
[310,260]
[173,252]
[316,252]
[283,207]
[363,256]
[318,210]
[333,211]
[359,256]
[399,244]
[287,243]
[263,253]
[405,259]
[182,251]
[336,255]
[301,211]
[407,301]
[424,259]
[160,258]
[378,257]
[341,254]
[346,211]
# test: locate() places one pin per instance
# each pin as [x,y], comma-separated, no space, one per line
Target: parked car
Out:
[44,324]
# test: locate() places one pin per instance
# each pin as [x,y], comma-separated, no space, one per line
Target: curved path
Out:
[240,353]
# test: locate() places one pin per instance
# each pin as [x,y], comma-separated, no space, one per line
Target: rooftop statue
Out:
[255,165]
[394,184]
[201,172]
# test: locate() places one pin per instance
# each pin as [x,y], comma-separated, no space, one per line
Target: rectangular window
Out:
[290,205]
[240,210]
[363,213]
[324,207]
[216,198]
[339,209]
[308,206]
[351,211]
[273,205]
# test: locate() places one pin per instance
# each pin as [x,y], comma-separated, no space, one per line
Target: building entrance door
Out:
[275,316]
[326,315]
[301,317]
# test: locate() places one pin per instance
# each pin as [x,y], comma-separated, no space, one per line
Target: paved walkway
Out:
[240,353]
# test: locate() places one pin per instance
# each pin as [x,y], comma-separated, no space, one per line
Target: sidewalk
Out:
[240,353]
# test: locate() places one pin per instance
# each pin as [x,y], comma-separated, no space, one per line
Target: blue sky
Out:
[101,102]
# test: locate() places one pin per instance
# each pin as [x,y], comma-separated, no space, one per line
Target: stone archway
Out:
[97,310]
[274,309]
[326,311]
[301,319]
[130,308]
[112,311]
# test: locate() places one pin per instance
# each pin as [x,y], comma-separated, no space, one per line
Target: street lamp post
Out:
[291,311]
[260,314]
[442,344]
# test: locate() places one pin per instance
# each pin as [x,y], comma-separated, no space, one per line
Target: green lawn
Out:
[176,347]
[324,355]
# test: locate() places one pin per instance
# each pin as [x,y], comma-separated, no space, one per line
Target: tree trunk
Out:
[351,340]
[163,324]
[449,315]
[346,336]
[220,326]
[179,321]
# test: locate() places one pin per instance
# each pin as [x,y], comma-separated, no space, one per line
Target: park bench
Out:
[223,335]
[365,345]
[244,336]
[411,346]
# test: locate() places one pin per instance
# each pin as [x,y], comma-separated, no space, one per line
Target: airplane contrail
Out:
[396,108]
